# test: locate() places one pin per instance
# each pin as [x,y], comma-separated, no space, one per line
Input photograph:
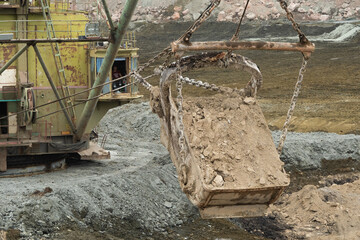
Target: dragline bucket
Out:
[227,162]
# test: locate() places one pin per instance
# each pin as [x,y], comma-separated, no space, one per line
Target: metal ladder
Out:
[57,55]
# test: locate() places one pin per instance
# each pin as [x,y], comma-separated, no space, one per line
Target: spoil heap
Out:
[321,213]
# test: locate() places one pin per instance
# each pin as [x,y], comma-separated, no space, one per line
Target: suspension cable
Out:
[236,35]
[185,36]
[72,95]
[86,100]
[295,25]
[166,51]
[139,80]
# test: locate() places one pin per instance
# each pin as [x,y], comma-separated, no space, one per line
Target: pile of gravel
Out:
[137,188]
[308,150]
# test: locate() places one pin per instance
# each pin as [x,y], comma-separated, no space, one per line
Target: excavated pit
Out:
[136,195]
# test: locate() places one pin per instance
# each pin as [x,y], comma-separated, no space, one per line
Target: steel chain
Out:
[164,64]
[212,87]
[179,85]
[180,79]
[206,13]
[298,85]
[179,99]
[143,81]
[292,105]
[185,37]
[203,16]
[166,51]
[296,27]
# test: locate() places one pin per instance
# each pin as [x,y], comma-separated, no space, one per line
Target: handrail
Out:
[65,28]
[64,5]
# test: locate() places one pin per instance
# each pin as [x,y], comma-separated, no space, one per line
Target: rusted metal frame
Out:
[55,48]
[13,59]
[73,128]
[107,12]
[248,45]
[3,162]
[66,97]
[87,100]
[105,68]
[57,40]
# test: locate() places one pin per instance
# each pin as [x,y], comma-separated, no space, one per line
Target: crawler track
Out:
[29,165]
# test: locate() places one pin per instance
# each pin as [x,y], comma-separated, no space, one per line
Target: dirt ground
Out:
[325,206]
[329,99]
[136,194]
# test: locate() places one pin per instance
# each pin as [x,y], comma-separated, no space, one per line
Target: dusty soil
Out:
[329,100]
[239,164]
[136,195]
[321,213]
[279,222]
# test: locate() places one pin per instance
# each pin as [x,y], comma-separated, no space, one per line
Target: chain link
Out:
[143,81]
[212,87]
[180,79]
[179,99]
[203,16]
[298,85]
[296,27]
[166,51]
[185,37]
[292,105]
[164,65]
